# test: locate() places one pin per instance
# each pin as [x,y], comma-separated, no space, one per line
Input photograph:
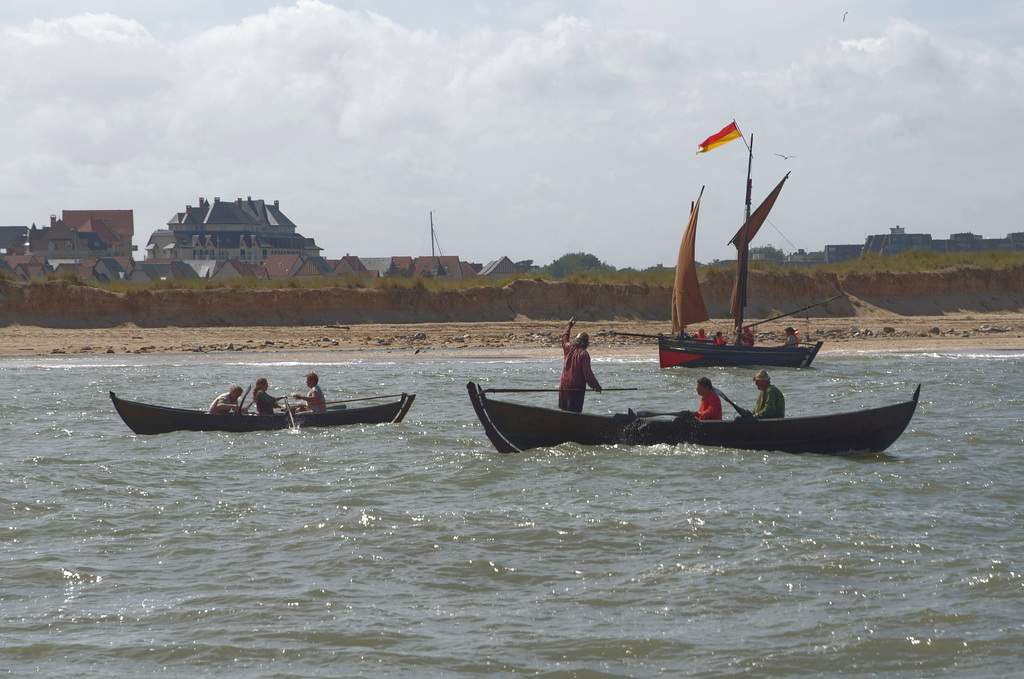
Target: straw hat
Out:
[762,375]
[583,339]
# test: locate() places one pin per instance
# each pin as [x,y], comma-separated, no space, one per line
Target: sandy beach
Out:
[951,332]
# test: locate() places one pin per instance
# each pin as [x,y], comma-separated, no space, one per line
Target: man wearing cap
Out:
[576,372]
[770,403]
[791,337]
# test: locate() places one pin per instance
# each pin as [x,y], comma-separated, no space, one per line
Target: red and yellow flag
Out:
[728,133]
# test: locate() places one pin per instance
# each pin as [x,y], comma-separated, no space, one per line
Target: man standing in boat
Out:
[771,404]
[576,372]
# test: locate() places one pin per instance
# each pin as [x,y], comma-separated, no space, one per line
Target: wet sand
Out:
[951,332]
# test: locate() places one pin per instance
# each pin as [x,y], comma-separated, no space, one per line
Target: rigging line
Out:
[423,245]
[433,237]
[742,137]
[795,248]
[440,252]
[428,240]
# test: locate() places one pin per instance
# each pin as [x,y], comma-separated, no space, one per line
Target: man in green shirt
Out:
[770,403]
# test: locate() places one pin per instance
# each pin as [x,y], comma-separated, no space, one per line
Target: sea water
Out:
[416,550]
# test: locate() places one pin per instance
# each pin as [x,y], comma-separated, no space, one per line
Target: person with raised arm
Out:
[576,372]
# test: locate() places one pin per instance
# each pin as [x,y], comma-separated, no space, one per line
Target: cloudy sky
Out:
[529,129]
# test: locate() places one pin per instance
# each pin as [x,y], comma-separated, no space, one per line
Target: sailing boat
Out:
[688,304]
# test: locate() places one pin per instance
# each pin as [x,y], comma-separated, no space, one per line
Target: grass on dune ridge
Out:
[912,261]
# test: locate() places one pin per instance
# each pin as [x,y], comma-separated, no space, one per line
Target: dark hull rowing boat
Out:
[142,418]
[513,427]
[697,354]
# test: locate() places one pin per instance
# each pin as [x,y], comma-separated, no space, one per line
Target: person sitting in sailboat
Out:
[718,338]
[747,336]
[792,339]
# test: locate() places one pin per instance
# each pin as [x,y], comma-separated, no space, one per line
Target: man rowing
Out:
[265,403]
[770,402]
[227,403]
[315,402]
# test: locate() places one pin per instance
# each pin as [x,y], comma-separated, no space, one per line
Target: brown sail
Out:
[742,242]
[687,302]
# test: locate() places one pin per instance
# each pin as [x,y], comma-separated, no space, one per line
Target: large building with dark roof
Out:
[246,230]
[898,241]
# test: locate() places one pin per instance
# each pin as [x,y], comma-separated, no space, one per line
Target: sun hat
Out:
[790,329]
[762,375]
[583,338]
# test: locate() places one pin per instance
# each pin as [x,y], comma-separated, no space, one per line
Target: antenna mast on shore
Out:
[437,270]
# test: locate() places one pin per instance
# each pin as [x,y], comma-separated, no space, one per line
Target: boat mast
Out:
[750,186]
[742,257]
[435,267]
[433,259]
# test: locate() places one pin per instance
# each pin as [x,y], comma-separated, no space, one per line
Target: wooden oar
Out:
[743,412]
[507,391]
[794,313]
[634,334]
[241,401]
[288,407]
[365,398]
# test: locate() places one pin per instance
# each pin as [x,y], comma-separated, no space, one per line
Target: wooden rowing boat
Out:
[514,427]
[143,418]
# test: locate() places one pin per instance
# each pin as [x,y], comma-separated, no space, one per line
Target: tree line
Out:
[584,263]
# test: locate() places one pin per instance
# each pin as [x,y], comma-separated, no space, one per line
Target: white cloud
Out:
[575,134]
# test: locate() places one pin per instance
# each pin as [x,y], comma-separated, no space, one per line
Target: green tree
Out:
[767,252]
[525,266]
[576,262]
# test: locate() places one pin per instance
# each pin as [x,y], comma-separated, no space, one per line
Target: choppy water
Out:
[415,550]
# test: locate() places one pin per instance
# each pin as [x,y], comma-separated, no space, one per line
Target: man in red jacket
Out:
[710,405]
[576,372]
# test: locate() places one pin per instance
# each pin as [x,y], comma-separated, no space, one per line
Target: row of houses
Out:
[898,241]
[253,238]
[274,267]
[215,240]
[78,233]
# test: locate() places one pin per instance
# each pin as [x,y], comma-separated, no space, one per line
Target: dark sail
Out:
[742,242]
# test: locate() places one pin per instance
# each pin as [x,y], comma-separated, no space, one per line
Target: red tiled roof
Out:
[121,222]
